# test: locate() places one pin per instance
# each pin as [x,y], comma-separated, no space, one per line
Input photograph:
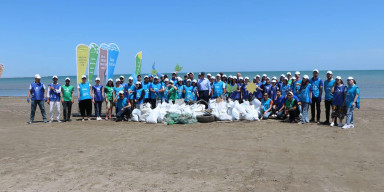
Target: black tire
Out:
[205,119]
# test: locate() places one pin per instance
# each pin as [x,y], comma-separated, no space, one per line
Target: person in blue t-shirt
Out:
[266,106]
[278,104]
[338,97]
[54,93]
[129,88]
[156,90]
[98,98]
[123,107]
[259,91]
[139,95]
[236,93]
[285,87]
[179,86]
[218,88]
[122,82]
[305,92]
[145,85]
[352,100]
[194,85]
[85,98]
[328,85]
[189,92]
[266,87]
[116,91]
[273,90]
[317,92]
[245,92]
[36,94]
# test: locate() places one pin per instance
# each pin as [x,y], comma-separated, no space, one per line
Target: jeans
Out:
[98,108]
[305,117]
[280,114]
[33,109]
[67,107]
[120,114]
[315,104]
[262,113]
[52,104]
[204,95]
[350,115]
[328,106]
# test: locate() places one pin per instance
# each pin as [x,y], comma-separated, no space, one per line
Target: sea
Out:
[370,82]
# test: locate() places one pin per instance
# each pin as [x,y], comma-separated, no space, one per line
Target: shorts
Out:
[110,103]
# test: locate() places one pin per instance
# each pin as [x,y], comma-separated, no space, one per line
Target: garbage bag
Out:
[136,113]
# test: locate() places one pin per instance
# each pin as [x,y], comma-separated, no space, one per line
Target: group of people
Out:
[287,98]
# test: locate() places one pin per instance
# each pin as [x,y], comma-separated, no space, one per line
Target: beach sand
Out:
[239,156]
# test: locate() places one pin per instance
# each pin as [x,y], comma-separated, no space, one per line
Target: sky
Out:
[200,35]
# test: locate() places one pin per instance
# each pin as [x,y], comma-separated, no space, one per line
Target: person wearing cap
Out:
[97,95]
[118,87]
[139,95]
[180,87]
[174,78]
[266,106]
[245,92]
[264,78]
[171,92]
[290,107]
[36,94]
[85,98]
[273,90]
[129,89]
[280,83]
[139,78]
[123,107]
[204,88]
[195,91]
[338,97]
[190,75]
[211,82]
[108,96]
[67,99]
[164,94]
[209,76]
[285,88]
[122,81]
[305,92]
[317,92]
[352,100]
[185,79]
[188,91]
[218,88]
[259,91]
[54,92]
[238,75]
[278,104]
[145,85]
[150,78]
[234,91]
[224,79]
[156,89]
[266,87]
[289,76]
[297,76]
[328,85]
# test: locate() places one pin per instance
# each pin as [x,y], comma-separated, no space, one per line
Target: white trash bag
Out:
[136,113]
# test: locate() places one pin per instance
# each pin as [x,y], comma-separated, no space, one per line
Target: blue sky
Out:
[201,35]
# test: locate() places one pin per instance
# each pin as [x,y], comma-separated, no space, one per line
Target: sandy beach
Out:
[239,156]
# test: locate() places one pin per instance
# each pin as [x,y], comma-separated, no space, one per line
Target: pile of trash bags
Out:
[234,111]
[169,113]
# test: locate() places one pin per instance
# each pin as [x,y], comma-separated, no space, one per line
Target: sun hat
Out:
[188,80]
[257,76]
[282,75]
[264,75]
[146,76]
[213,77]
[137,83]
[156,77]
[294,78]
[218,75]
[274,77]
[240,78]
[224,75]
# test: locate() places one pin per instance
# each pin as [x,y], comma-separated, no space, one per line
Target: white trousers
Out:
[51,105]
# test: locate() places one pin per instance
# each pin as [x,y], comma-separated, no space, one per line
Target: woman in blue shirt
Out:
[188,91]
[85,98]
[317,91]
[116,91]
[97,98]
[305,92]
[338,96]
[266,106]
[352,100]
[236,93]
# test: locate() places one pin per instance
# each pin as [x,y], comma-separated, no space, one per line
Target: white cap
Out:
[274,81]
[146,76]
[305,77]
[282,75]
[288,73]
[285,78]
[179,79]
[97,79]
[246,77]
[156,77]
[329,72]
[267,78]
[297,73]
[37,76]
[274,77]
[350,78]
[264,75]
[218,75]
[166,79]
[230,76]
[209,74]
[83,76]
[110,80]
[54,77]
[122,77]
[224,75]
[117,80]
[190,73]
[121,92]
[338,77]
[130,78]
[213,77]
[240,78]
[138,83]
[316,70]
[258,76]
[189,80]
[294,78]
[68,79]
[194,81]
[290,93]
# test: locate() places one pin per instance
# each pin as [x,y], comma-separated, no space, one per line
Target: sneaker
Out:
[340,125]
[30,122]
[58,121]
[45,121]
[83,120]
[318,122]
[89,119]
[106,118]
[351,126]
[301,123]
[332,124]
[345,126]
[50,121]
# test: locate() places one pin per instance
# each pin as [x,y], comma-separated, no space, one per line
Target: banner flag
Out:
[113,53]
[82,52]
[1,69]
[103,61]
[139,59]
[178,68]
[154,71]
[93,56]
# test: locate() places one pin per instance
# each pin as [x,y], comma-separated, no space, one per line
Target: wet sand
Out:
[238,156]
